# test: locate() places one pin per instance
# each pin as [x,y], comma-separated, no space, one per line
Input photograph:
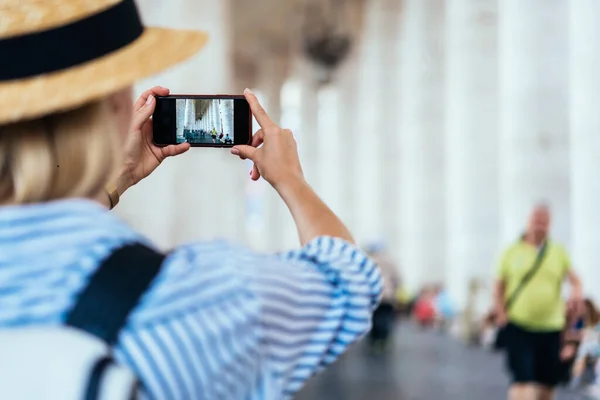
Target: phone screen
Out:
[202,121]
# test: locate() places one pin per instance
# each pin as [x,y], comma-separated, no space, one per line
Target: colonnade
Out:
[494,107]
[441,130]
[218,115]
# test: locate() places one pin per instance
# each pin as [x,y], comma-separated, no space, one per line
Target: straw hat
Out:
[58,54]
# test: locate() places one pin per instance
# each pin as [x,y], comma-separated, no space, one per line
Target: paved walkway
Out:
[423,365]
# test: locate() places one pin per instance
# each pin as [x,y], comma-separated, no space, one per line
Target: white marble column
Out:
[390,163]
[585,140]
[217,117]
[307,135]
[190,114]
[534,146]
[347,86]
[227,113]
[180,202]
[368,138]
[471,143]
[180,118]
[422,168]
[329,144]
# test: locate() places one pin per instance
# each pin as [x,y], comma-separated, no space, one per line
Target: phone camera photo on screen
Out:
[202,121]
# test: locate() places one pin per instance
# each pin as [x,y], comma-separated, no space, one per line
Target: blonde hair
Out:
[68,154]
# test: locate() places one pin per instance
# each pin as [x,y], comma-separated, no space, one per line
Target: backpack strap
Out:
[114,290]
[539,259]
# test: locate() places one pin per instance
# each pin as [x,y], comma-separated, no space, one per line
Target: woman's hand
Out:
[278,162]
[277,159]
[142,156]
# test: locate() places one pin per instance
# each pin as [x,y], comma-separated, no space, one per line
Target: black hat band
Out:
[70,45]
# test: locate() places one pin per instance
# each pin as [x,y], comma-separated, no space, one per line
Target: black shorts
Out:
[533,357]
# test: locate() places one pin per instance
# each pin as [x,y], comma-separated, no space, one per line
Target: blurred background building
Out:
[431,125]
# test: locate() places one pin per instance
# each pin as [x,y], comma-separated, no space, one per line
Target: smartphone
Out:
[202,120]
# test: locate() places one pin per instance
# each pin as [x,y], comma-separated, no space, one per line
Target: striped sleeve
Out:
[316,301]
[198,353]
[196,333]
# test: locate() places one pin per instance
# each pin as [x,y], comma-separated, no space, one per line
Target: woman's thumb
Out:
[244,151]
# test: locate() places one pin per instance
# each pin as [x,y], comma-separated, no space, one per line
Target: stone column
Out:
[422,165]
[180,117]
[368,190]
[190,114]
[215,117]
[347,111]
[389,159]
[328,148]
[534,145]
[585,140]
[180,201]
[471,143]
[307,136]
[227,113]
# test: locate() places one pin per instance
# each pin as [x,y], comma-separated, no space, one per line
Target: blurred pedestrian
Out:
[531,310]
[384,314]
[424,311]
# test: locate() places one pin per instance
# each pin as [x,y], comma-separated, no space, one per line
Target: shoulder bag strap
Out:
[114,290]
[532,271]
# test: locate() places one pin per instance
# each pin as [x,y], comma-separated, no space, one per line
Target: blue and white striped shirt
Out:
[219,322]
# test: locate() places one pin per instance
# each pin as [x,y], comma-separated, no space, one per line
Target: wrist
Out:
[291,187]
[121,185]
[123,182]
[113,191]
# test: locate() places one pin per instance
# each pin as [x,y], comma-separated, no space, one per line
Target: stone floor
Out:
[423,365]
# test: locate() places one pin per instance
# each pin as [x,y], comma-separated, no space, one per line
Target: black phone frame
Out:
[164,120]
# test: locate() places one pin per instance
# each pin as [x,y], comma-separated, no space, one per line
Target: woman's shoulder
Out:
[192,277]
[197,317]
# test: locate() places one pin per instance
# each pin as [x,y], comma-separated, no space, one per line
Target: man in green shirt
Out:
[536,318]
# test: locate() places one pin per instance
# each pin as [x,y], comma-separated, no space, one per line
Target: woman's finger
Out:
[156,91]
[255,173]
[143,114]
[175,149]
[258,111]
[258,138]
[244,152]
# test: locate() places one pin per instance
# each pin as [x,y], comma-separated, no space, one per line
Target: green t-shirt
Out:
[539,306]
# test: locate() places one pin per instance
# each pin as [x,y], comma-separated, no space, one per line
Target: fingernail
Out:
[149,100]
[235,152]
[248,91]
